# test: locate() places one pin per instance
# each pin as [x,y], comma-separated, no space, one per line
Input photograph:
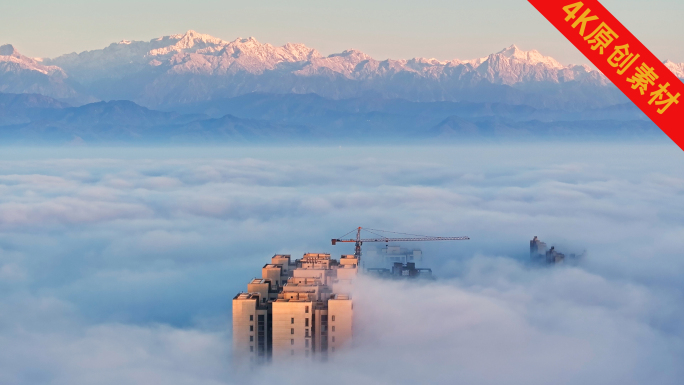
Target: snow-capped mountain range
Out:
[21,74]
[193,67]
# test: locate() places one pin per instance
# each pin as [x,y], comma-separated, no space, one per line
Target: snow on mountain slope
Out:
[513,66]
[530,57]
[189,40]
[195,53]
[192,67]
[240,55]
[22,75]
[14,61]
[189,53]
[510,66]
[677,69]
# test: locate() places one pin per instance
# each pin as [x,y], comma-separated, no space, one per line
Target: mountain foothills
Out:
[246,90]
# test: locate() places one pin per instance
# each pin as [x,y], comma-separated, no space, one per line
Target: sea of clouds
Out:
[118,265]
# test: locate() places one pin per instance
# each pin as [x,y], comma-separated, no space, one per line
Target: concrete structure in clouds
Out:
[298,309]
[539,254]
[537,249]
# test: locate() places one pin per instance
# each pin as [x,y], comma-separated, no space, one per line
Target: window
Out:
[251,317]
[291,320]
[251,328]
[306,309]
[306,332]
[333,318]
[306,322]
[251,348]
[251,338]
[292,342]
[263,300]
[333,340]
[292,331]
[333,328]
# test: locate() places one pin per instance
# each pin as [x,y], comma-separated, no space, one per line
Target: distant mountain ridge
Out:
[175,70]
[49,122]
[292,118]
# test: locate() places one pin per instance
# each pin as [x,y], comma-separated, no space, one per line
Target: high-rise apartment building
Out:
[537,249]
[539,254]
[297,309]
[401,270]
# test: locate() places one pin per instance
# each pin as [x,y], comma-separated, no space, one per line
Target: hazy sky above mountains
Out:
[382,28]
[118,266]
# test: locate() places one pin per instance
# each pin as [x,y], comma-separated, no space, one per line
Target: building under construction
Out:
[302,309]
[297,309]
[539,254]
[400,271]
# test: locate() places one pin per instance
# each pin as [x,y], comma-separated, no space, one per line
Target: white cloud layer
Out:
[120,268]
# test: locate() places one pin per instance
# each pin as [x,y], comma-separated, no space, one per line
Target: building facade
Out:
[539,254]
[298,309]
[537,249]
[401,271]
[387,256]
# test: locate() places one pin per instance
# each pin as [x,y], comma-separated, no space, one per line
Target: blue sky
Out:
[444,29]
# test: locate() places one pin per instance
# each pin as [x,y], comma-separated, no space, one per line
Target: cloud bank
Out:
[119,266]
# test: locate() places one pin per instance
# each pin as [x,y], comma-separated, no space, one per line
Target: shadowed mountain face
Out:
[47,121]
[281,119]
[175,70]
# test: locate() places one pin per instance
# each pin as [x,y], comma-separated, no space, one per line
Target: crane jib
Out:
[359,241]
[401,239]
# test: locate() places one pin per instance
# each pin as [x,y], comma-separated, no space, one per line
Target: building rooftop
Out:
[245,296]
[314,256]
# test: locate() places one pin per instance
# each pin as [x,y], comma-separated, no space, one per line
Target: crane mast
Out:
[359,241]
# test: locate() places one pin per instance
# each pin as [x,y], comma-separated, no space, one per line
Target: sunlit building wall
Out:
[296,310]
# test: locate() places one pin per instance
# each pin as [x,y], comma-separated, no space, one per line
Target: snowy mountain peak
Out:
[510,51]
[21,74]
[352,54]
[194,36]
[186,41]
[677,69]
[7,50]
[247,40]
[529,57]
[262,55]
[192,67]
[18,62]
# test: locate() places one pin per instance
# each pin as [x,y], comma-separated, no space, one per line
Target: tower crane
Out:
[359,241]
